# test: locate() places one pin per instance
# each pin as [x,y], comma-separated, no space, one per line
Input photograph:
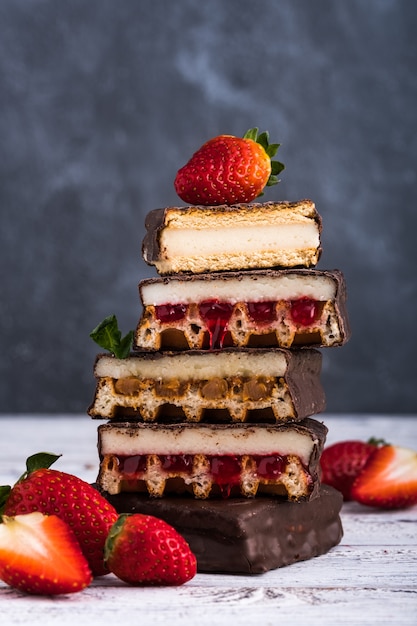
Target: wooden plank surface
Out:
[370,578]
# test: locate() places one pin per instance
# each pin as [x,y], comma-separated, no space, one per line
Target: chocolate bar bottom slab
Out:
[247,536]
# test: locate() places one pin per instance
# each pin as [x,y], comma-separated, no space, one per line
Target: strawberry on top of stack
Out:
[211,413]
[229,170]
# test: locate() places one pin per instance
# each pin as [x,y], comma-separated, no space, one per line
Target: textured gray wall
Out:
[103,100]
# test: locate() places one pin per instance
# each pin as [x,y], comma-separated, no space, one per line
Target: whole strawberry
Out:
[229,170]
[341,463]
[144,550]
[73,500]
[39,554]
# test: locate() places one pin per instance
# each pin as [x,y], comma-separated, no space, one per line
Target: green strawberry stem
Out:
[271,150]
[374,441]
[113,533]
[108,336]
[40,460]
[4,494]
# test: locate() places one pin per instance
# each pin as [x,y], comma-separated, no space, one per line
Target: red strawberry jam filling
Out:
[167,313]
[304,311]
[270,466]
[177,463]
[262,312]
[225,470]
[216,315]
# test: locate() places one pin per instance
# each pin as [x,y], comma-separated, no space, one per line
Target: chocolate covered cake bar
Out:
[246,535]
[238,385]
[212,460]
[232,237]
[260,308]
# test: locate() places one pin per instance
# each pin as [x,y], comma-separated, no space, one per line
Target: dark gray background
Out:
[103,100]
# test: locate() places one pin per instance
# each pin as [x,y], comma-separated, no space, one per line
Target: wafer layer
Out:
[211,460]
[245,385]
[282,308]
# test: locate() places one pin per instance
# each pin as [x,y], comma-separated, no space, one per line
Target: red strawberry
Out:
[40,554]
[229,170]
[389,479]
[76,502]
[145,550]
[343,461]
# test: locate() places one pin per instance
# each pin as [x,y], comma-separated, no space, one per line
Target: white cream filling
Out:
[183,366]
[246,289]
[180,243]
[126,441]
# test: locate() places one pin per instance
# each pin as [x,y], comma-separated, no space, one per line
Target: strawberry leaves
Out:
[40,460]
[108,336]
[4,495]
[271,149]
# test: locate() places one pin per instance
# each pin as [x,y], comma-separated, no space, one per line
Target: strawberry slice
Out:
[39,554]
[389,479]
[145,550]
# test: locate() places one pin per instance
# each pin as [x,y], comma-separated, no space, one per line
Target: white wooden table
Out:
[370,578]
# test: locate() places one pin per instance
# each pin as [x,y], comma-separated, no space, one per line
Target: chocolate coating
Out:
[247,536]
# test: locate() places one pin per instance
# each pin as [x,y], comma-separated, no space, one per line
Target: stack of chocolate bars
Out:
[209,419]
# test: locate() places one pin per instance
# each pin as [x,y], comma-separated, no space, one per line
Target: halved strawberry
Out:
[389,479]
[39,554]
[229,170]
[76,502]
[341,463]
[144,550]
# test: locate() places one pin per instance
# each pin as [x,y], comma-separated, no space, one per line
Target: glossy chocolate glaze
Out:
[247,536]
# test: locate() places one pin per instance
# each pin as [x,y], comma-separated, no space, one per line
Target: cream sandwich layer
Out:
[231,240]
[253,287]
[192,366]
[237,247]
[246,236]
[125,440]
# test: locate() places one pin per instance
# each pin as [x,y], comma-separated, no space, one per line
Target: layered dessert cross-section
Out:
[260,308]
[212,460]
[243,236]
[230,385]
